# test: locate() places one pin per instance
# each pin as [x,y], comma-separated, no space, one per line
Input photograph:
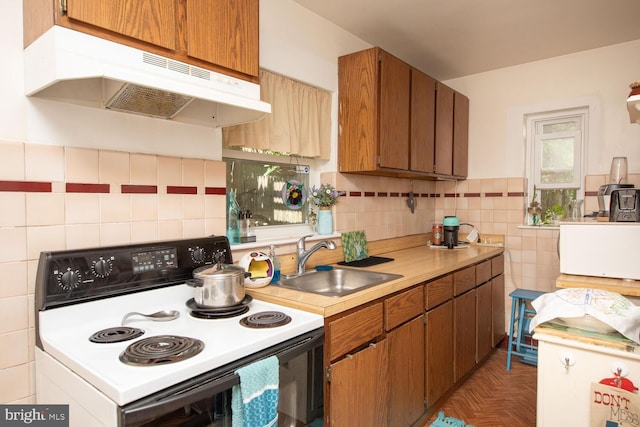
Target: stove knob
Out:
[102,267]
[69,279]
[198,254]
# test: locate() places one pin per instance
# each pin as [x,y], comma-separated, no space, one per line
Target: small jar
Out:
[437,234]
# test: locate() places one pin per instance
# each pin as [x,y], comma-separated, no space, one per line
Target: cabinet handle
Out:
[349,356]
[374,345]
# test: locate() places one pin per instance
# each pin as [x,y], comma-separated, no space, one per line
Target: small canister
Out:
[437,234]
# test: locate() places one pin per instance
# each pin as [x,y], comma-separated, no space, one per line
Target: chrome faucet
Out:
[303,254]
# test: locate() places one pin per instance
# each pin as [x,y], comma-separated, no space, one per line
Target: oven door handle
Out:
[202,387]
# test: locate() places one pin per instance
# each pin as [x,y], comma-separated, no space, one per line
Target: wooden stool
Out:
[519,326]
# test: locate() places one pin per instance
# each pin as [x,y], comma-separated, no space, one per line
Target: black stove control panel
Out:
[74,276]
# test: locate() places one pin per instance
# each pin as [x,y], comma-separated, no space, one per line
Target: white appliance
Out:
[82,296]
[566,370]
[70,66]
[571,359]
[601,249]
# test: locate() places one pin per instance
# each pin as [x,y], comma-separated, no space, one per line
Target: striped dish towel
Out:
[254,403]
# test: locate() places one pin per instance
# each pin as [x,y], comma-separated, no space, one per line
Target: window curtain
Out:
[299,123]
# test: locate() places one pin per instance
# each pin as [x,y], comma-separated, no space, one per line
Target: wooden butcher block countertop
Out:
[416,264]
[621,286]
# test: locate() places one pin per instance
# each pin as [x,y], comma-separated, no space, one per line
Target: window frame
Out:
[278,233]
[533,150]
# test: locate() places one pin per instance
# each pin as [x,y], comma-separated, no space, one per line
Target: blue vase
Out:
[325,221]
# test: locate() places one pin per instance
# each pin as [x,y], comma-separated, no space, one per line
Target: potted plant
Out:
[324,197]
[553,214]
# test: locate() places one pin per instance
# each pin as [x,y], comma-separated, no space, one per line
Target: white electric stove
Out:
[82,297]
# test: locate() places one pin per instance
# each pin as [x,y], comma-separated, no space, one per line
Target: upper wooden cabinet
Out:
[224,32]
[444,130]
[395,120]
[460,135]
[373,94]
[451,132]
[217,34]
[423,104]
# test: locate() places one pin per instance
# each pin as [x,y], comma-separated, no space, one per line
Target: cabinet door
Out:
[484,320]
[439,352]
[395,83]
[444,130]
[423,115]
[359,388]
[406,373]
[460,135]
[403,307]
[464,344]
[225,33]
[358,111]
[497,265]
[464,280]
[353,330]
[151,21]
[497,303]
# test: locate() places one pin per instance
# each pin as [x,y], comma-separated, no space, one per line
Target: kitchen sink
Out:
[336,282]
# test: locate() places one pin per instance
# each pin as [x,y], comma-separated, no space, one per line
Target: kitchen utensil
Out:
[576,209]
[259,267]
[451,225]
[618,171]
[220,285]
[625,205]
[160,316]
[604,199]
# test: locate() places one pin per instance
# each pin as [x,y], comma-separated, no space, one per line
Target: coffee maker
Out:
[617,181]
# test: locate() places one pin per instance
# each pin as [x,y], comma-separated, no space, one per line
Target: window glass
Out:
[555,145]
[274,193]
[557,160]
[559,127]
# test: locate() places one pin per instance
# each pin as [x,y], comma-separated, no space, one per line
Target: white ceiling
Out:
[454,38]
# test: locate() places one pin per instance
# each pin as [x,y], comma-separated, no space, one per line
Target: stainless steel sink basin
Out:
[337,282]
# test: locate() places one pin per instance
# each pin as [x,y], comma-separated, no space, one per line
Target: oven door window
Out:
[206,400]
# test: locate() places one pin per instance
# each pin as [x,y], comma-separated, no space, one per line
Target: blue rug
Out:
[443,421]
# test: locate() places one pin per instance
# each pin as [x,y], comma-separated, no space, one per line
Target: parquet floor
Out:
[493,397]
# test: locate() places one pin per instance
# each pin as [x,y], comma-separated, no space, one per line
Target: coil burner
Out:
[265,319]
[117,334]
[161,349]
[203,312]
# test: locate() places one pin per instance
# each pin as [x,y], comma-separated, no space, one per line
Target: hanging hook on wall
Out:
[411,201]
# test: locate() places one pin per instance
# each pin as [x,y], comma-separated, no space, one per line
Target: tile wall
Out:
[56,198]
[61,198]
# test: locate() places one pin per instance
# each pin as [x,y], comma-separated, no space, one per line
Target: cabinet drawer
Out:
[464,279]
[402,307]
[354,330]
[497,265]
[438,291]
[483,272]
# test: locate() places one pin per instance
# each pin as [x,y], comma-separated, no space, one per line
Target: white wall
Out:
[294,42]
[496,146]
[304,46]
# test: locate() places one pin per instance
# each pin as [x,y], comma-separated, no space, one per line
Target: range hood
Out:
[70,66]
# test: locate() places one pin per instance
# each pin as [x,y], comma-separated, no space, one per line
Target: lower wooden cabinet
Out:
[406,373]
[359,387]
[497,302]
[484,310]
[438,352]
[390,361]
[464,344]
